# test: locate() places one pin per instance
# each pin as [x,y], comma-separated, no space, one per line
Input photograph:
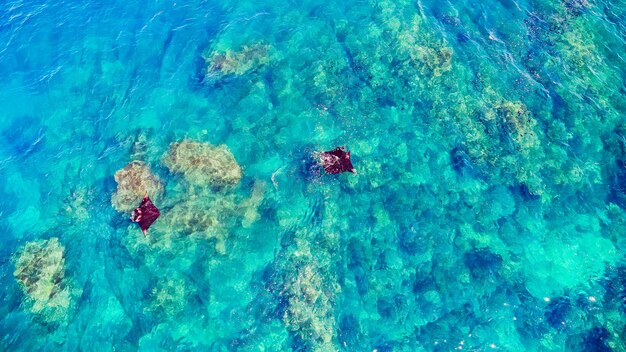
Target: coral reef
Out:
[236,62]
[519,123]
[133,181]
[76,203]
[309,293]
[205,214]
[488,212]
[482,263]
[557,312]
[203,164]
[432,57]
[595,340]
[249,206]
[208,217]
[39,269]
[168,297]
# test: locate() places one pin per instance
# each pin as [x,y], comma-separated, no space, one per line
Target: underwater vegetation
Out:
[235,62]
[40,272]
[168,297]
[209,216]
[133,182]
[487,213]
[303,279]
[203,164]
[310,307]
[204,206]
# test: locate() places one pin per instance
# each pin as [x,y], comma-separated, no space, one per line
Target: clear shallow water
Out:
[488,212]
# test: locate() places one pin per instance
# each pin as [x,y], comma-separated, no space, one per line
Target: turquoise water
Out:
[488,212]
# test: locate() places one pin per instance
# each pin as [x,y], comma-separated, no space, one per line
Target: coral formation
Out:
[204,214]
[133,182]
[236,62]
[304,276]
[168,296]
[249,207]
[76,203]
[310,306]
[39,269]
[431,57]
[203,164]
[489,139]
[482,262]
[208,217]
[557,311]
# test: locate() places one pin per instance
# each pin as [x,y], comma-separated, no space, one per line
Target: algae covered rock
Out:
[39,270]
[519,124]
[236,62]
[310,306]
[75,204]
[306,284]
[203,164]
[430,56]
[168,297]
[133,181]
[249,207]
[209,217]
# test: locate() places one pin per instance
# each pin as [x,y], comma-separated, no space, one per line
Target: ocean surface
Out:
[488,212]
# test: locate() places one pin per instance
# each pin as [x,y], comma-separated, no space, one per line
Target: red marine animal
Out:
[336,161]
[145,214]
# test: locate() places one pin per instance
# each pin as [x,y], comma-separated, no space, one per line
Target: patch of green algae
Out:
[40,271]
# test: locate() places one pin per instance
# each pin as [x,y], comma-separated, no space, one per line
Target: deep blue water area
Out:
[487,213]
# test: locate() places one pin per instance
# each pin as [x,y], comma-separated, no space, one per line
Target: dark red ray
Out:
[336,161]
[145,215]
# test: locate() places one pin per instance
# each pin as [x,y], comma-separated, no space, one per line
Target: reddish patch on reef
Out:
[145,215]
[337,161]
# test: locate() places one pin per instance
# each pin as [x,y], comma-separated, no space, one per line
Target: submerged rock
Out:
[75,204]
[575,7]
[133,182]
[236,62]
[208,217]
[557,311]
[250,207]
[168,297]
[310,297]
[39,270]
[203,164]
[429,56]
